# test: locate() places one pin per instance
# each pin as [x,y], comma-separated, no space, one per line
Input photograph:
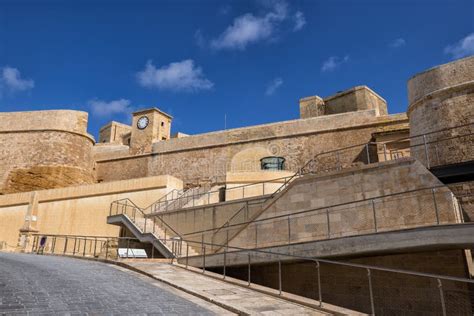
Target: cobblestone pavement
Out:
[48,285]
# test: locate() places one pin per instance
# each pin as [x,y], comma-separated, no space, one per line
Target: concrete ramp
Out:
[240,299]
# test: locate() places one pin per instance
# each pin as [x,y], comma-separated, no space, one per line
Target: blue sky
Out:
[201,60]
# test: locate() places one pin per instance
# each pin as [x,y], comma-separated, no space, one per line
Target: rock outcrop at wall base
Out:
[45,177]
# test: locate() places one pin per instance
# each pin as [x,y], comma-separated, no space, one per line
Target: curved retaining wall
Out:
[44,149]
[442,98]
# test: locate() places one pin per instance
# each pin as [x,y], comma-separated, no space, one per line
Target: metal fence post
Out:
[95,245]
[371,292]
[249,272]
[225,261]
[329,226]
[289,230]
[128,245]
[107,248]
[426,152]
[338,155]
[256,235]
[319,284]
[187,254]
[441,295]
[367,152]
[204,260]
[54,244]
[435,205]
[246,210]
[65,246]
[279,276]
[375,215]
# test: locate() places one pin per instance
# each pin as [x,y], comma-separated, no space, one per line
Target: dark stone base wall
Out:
[394,294]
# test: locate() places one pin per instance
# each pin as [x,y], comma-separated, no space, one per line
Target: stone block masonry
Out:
[212,155]
[49,149]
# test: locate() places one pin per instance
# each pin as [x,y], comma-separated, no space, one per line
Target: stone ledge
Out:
[97,189]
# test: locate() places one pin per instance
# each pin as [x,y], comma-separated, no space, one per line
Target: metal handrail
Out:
[199,195]
[165,198]
[301,171]
[319,209]
[118,202]
[80,245]
[278,257]
[298,257]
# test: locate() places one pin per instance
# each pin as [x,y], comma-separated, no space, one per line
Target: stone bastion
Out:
[44,149]
[441,98]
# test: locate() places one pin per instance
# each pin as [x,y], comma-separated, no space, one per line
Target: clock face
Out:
[142,122]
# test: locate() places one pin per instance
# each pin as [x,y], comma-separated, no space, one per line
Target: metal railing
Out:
[367,153]
[421,207]
[337,159]
[426,147]
[151,225]
[373,289]
[162,203]
[103,247]
[201,196]
[366,288]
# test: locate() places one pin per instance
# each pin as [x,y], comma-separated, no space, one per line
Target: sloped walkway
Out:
[53,285]
[233,297]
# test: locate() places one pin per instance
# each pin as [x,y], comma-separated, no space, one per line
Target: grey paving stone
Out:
[46,285]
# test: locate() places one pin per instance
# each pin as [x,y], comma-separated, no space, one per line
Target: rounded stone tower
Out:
[44,150]
[441,107]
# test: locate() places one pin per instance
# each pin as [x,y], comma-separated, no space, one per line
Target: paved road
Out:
[47,285]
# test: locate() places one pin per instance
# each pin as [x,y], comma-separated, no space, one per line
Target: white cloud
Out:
[399,42]
[462,48]
[248,28]
[273,86]
[12,81]
[333,62]
[177,76]
[103,108]
[300,21]
[199,38]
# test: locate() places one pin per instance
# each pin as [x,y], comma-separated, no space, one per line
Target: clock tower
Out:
[149,126]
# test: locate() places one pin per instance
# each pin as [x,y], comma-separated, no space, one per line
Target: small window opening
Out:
[272,163]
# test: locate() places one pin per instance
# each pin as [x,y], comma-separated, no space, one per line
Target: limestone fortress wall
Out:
[44,149]
[51,149]
[212,156]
